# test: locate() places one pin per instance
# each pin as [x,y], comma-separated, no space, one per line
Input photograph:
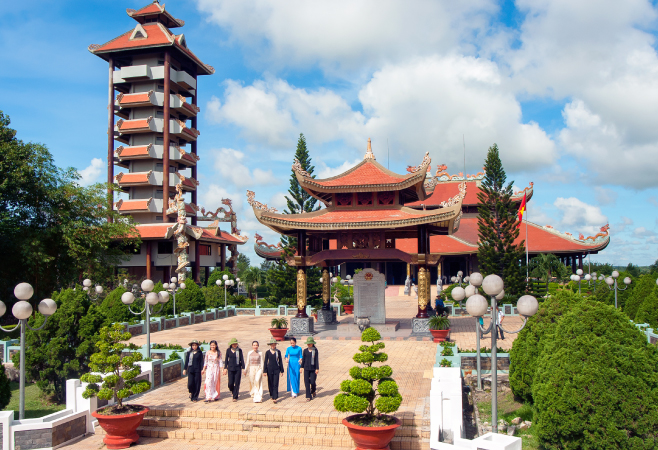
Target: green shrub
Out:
[189,299]
[529,344]
[173,357]
[447,352]
[113,309]
[371,389]
[5,389]
[439,323]
[596,385]
[648,311]
[279,323]
[445,363]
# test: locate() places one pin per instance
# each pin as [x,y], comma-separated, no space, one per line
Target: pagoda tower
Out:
[153,119]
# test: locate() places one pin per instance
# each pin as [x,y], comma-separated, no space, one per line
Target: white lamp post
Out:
[173,289]
[22,310]
[226,283]
[86,286]
[150,300]
[611,281]
[476,305]
[577,277]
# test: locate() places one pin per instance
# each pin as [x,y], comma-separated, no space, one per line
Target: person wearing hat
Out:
[273,369]
[233,365]
[311,366]
[193,368]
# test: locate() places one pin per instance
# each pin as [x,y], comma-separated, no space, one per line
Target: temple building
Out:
[450,249]
[153,116]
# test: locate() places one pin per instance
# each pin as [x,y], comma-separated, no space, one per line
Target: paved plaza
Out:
[247,425]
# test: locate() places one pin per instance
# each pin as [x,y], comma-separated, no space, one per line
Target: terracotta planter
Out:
[315,316]
[348,309]
[372,438]
[278,333]
[121,430]
[440,335]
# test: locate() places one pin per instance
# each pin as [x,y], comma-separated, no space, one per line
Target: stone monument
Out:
[369,287]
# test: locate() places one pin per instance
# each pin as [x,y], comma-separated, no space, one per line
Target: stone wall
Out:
[470,363]
[170,323]
[155,327]
[31,439]
[157,374]
[231,312]
[221,314]
[246,312]
[171,373]
[12,353]
[198,318]
[268,312]
[68,430]
[135,330]
[2,351]
[653,339]
[183,321]
[210,316]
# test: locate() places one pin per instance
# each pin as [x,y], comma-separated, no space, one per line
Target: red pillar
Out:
[110,139]
[222,250]
[165,137]
[193,146]
[197,263]
[422,252]
[148,260]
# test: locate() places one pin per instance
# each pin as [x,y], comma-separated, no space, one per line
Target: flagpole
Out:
[527,270]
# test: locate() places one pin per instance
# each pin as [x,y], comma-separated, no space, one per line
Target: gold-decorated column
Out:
[301,292]
[326,290]
[423,297]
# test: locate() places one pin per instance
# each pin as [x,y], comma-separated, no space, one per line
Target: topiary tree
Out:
[371,389]
[648,311]
[114,370]
[528,346]
[644,285]
[5,389]
[189,299]
[596,385]
[113,309]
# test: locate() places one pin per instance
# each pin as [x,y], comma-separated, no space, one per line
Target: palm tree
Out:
[252,278]
[545,264]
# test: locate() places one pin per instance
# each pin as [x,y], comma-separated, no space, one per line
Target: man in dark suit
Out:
[311,366]
[273,369]
[234,365]
[192,368]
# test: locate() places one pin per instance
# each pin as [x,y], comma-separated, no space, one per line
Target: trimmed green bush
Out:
[648,311]
[528,346]
[5,389]
[189,299]
[113,309]
[371,390]
[596,384]
[645,285]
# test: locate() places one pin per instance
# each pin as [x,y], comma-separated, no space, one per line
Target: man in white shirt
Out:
[501,317]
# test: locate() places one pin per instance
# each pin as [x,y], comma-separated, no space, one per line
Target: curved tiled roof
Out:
[366,173]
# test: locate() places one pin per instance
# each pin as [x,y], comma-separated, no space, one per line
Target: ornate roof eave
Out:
[265,250]
[135,14]
[596,243]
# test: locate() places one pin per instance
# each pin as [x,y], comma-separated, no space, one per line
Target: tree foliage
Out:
[648,310]
[497,227]
[300,200]
[56,231]
[643,287]
[61,350]
[113,308]
[5,388]
[596,384]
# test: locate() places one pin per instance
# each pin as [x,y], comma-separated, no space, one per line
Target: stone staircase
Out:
[320,431]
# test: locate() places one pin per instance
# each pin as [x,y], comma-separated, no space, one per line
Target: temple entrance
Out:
[396,273]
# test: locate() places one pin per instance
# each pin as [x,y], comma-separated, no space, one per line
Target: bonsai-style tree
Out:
[114,371]
[371,389]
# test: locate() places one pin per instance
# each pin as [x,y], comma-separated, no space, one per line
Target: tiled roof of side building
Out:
[157,34]
[365,174]
[438,244]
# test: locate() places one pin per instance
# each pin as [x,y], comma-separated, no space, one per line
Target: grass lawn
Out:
[508,409]
[36,405]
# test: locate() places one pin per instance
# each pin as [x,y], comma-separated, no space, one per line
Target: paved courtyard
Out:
[411,360]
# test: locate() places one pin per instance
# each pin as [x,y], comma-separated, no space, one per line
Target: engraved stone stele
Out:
[369,286]
[420,327]
[326,316]
[301,326]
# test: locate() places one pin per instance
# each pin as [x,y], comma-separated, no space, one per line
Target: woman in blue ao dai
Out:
[293,356]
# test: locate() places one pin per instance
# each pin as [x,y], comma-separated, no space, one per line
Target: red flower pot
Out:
[372,438]
[278,333]
[440,335]
[315,316]
[348,309]
[121,430]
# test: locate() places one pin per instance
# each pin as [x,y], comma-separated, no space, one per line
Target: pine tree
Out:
[497,226]
[300,200]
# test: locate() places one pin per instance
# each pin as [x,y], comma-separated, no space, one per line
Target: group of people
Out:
[255,366]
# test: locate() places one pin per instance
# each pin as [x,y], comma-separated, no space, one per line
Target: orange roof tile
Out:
[156,33]
[134,178]
[139,97]
[153,231]
[148,9]
[134,205]
[366,174]
[133,124]
[141,150]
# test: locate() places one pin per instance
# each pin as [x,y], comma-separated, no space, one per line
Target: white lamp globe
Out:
[147,285]
[460,273]
[322,280]
[579,272]
[99,289]
[571,277]
[610,281]
[172,286]
[476,305]
[527,306]
[593,275]
[466,279]
[492,285]
[3,308]
[349,277]
[86,282]
[127,298]
[224,277]
[164,296]
[501,295]
[453,279]
[588,277]
[601,277]
[615,274]
[470,290]
[576,278]
[165,285]
[22,310]
[152,298]
[627,281]
[218,282]
[237,279]
[475,279]
[85,288]
[174,279]
[23,291]
[458,293]
[47,307]
[182,285]
[334,280]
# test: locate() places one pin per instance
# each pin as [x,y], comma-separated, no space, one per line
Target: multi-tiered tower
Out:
[153,90]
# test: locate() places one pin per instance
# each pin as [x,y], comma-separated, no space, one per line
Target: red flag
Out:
[521,210]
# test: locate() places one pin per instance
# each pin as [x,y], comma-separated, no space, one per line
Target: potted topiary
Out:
[279,328]
[114,375]
[371,393]
[348,304]
[440,328]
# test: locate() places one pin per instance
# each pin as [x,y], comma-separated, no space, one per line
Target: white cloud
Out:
[605,196]
[89,175]
[580,216]
[641,232]
[228,162]
[327,172]
[653,200]
[625,223]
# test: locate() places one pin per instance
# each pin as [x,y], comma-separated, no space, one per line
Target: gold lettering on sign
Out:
[301,289]
[325,286]
[423,298]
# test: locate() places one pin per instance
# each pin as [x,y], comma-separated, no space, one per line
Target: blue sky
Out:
[567,89]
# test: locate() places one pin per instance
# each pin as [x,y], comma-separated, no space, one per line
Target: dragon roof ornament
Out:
[596,239]
[457,198]
[423,165]
[258,205]
[297,168]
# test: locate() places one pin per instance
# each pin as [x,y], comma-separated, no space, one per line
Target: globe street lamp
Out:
[476,305]
[347,282]
[173,289]
[150,300]
[611,281]
[459,279]
[22,310]
[226,283]
[86,286]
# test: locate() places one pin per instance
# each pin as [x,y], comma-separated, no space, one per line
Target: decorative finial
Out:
[369,153]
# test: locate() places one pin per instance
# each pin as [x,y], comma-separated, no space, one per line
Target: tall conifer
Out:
[300,200]
[497,226]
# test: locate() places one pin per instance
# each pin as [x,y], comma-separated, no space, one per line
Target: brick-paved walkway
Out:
[412,363]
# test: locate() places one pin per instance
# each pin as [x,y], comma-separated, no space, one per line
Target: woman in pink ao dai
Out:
[212,367]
